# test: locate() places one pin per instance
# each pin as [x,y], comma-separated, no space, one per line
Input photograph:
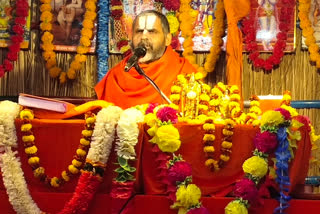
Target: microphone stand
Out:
[141,72]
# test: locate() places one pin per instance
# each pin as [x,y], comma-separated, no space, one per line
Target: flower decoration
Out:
[22,11]
[47,37]
[250,30]
[187,18]
[31,150]
[252,118]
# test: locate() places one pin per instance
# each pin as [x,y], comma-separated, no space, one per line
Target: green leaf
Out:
[121,178]
[123,162]
[119,170]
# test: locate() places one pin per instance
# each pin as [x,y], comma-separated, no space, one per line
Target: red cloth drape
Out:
[127,89]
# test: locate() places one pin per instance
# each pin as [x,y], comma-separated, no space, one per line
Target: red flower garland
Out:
[250,31]
[22,11]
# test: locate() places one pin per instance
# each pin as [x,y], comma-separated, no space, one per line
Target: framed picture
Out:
[314,17]
[267,13]
[67,21]
[7,15]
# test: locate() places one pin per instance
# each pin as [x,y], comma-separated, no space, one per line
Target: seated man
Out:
[161,63]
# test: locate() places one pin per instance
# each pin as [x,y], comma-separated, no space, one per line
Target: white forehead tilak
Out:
[147,22]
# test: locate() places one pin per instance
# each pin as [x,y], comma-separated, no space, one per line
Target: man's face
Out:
[148,32]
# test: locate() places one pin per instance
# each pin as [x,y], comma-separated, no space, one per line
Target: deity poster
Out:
[266,15]
[68,16]
[7,16]
[314,17]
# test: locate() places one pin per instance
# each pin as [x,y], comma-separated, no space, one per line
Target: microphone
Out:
[138,53]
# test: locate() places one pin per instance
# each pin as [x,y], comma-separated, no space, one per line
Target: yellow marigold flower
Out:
[38,172]
[71,74]
[181,79]
[82,49]
[87,24]
[169,138]
[188,196]
[84,142]
[208,149]
[230,122]
[173,23]
[46,16]
[214,102]
[124,49]
[234,89]
[225,158]
[91,120]
[209,137]
[28,138]
[254,103]
[209,162]
[200,74]
[235,207]
[73,169]
[235,97]
[208,126]
[76,163]
[221,86]
[286,97]
[204,97]
[234,104]
[150,120]
[46,1]
[271,118]
[81,152]
[90,5]
[45,7]
[65,176]
[90,15]
[293,111]
[256,166]
[63,77]
[54,72]
[46,26]
[54,182]
[80,58]
[313,48]
[76,65]
[31,150]
[175,89]
[87,133]
[256,110]
[26,127]
[48,55]
[33,160]
[256,123]
[85,41]
[227,132]
[175,97]
[26,114]
[226,144]
[203,107]
[48,47]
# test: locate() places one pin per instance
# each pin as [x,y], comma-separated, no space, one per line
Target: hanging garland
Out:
[187,18]
[308,31]
[103,38]
[34,161]
[85,41]
[91,176]
[22,12]
[250,31]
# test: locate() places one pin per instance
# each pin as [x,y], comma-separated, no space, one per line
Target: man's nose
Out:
[144,33]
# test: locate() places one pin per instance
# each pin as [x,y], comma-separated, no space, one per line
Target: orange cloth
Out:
[127,89]
[235,11]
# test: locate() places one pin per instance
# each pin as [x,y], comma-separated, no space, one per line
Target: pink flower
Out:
[167,114]
[265,142]
[285,113]
[200,210]
[246,189]
[151,107]
[175,42]
[179,172]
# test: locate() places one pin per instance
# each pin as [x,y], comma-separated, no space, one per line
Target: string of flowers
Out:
[226,144]
[103,38]
[31,150]
[166,137]
[15,183]
[308,31]
[250,30]
[85,41]
[22,11]
[127,138]
[187,18]
[252,117]
[116,13]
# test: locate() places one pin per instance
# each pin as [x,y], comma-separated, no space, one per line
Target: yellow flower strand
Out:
[31,150]
[308,31]
[187,18]
[85,41]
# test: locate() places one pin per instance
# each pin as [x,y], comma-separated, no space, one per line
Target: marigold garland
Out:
[187,18]
[308,31]
[250,31]
[85,41]
[22,11]
[34,161]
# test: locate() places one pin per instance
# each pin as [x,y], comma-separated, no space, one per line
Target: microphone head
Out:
[140,51]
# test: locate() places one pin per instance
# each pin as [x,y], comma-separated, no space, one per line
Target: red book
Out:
[44,103]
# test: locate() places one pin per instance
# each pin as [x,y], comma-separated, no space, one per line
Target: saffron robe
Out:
[127,89]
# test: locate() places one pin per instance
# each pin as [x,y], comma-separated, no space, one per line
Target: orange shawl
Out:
[127,89]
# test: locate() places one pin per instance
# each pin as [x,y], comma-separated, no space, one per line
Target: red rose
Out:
[259,63]
[167,114]
[22,11]
[175,42]
[282,36]
[14,47]
[253,56]
[179,172]
[268,65]
[251,46]
[8,66]
[20,20]
[171,4]
[246,189]
[16,39]
[18,29]
[1,71]
[12,56]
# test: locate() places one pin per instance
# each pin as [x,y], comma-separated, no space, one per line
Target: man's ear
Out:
[168,39]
